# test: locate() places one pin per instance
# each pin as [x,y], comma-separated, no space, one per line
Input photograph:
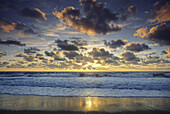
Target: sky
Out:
[85,35]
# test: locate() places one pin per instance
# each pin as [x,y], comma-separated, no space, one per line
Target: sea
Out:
[86,84]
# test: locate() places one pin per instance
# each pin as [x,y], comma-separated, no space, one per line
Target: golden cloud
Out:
[168,53]
[164,13]
[142,32]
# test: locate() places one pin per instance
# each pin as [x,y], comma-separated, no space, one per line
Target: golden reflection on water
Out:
[88,104]
[104,104]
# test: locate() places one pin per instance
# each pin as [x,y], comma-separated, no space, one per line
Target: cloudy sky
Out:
[77,35]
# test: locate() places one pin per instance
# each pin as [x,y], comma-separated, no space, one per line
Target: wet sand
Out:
[28,104]
[73,112]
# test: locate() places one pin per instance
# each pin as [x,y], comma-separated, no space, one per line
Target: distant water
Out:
[104,84]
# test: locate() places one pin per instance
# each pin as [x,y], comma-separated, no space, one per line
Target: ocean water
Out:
[103,84]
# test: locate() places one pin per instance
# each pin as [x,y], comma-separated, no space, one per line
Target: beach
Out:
[70,93]
[78,105]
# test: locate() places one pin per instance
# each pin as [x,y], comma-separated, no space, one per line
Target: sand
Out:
[20,104]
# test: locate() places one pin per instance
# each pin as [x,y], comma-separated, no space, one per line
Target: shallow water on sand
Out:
[84,104]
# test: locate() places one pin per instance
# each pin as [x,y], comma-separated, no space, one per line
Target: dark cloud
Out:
[70,54]
[84,59]
[30,31]
[29,58]
[151,60]
[137,47]
[40,56]
[79,42]
[164,52]
[83,48]
[96,52]
[2,54]
[8,26]
[11,42]
[55,55]
[16,65]
[111,61]
[160,34]
[76,38]
[104,57]
[128,56]
[33,13]
[64,45]
[2,64]
[96,18]
[133,10]
[20,55]
[31,50]
[115,43]
[49,53]
[126,13]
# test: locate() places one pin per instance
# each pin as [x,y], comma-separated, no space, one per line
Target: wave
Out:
[87,74]
[90,82]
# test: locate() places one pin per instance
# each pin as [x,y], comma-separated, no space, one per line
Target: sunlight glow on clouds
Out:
[85,35]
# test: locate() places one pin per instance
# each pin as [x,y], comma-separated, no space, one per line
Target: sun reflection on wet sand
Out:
[103,104]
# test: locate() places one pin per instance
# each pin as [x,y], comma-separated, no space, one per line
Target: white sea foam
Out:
[71,84]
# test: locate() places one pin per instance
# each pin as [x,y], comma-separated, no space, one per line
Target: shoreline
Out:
[82,71]
[78,112]
[87,96]
[79,105]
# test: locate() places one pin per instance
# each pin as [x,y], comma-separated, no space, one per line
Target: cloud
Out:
[55,55]
[8,26]
[49,53]
[11,42]
[96,52]
[167,53]
[129,56]
[159,34]
[83,48]
[96,18]
[40,56]
[111,61]
[151,60]
[70,54]
[164,52]
[83,59]
[142,32]
[137,47]
[20,55]
[29,58]
[76,38]
[2,54]
[31,50]
[133,10]
[33,13]
[64,45]
[161,12]
[115,43]
[29,31]
[16,65]
[103,57]
[2,64]
[79,42]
